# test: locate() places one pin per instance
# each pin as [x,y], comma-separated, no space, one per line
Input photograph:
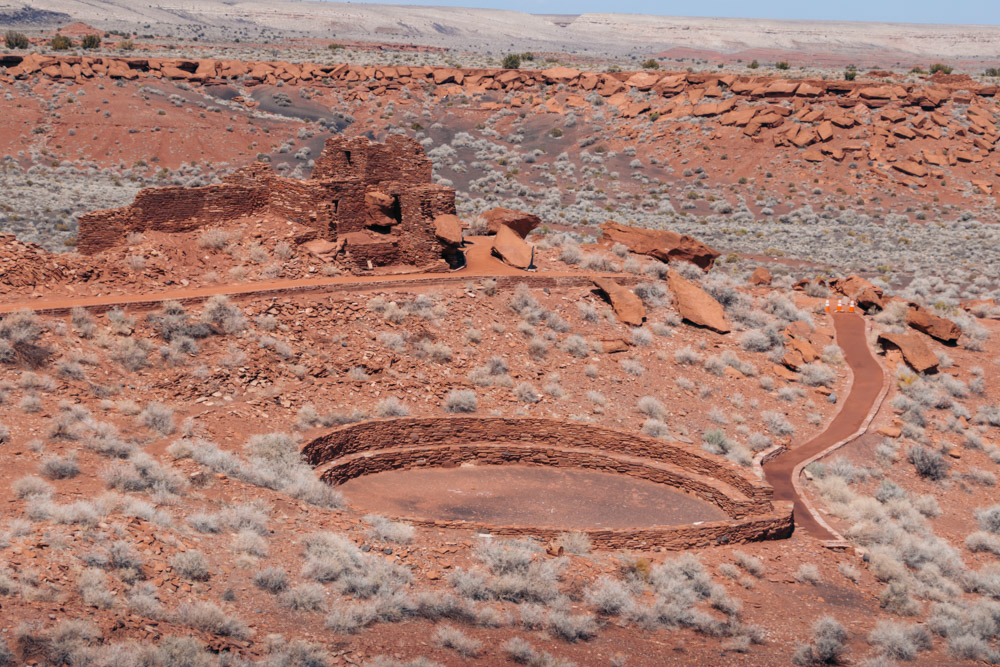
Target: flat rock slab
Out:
[512,249]
[628,308]
[915,352]
[933,325]
[696,305]
[521,222]
[662,244]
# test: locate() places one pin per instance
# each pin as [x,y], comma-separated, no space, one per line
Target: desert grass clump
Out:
[989,519]
[208,617]
[459,401]
[94,590]
[332,558]
[385,530]
[575,543]
[392,407]
[60,467]
[807,574]
[271,579]
[898,640]
[929,463]
[453,638]
[610,597]
[159,418]
[191,564]
[828,647]
[526,393]
[304,597]
[222,313]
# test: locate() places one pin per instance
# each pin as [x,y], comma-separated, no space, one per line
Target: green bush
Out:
[940,67]
[15,40]
[61,43]
[754,64]
[511,61]
[126,45]
[782,64]
[556,132]
[992,71]
[851,73]
[651,64]
[528,55]
[90,41]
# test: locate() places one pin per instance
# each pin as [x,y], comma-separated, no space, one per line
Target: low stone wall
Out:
[391,444]
[168,209]
[371,436]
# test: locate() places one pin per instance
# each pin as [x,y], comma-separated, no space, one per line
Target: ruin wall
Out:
[168,209]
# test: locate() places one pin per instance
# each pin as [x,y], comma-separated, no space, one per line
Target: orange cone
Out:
[840,305]
[828,305]
[850,308]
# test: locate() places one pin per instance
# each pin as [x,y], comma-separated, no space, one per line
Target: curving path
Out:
[480,263]
[851,421]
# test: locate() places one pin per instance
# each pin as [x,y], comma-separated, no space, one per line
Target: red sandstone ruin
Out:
[375,201]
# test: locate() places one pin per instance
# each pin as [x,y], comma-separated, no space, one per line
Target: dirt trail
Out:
[480,264]
[849,419]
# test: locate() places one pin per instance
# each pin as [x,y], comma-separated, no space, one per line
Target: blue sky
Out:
[981,12]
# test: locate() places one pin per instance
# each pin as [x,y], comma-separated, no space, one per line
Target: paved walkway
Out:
[853,413]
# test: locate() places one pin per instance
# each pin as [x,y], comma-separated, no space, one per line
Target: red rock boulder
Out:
[521,222]
[664,245]
[448,229]
[863,292]
[914,350]
[512,249]
[696,305]
[627,306]
[761,276]
[934,326]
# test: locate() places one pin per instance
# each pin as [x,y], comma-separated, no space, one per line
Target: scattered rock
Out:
[521,222]
[934,326]
[627,306]
[863,292]
[696,305]
[448,229]
[761,276]
[664,245]
[915,352]
[512,249]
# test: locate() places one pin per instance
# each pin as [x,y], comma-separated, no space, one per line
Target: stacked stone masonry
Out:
[392,444]
[375,198]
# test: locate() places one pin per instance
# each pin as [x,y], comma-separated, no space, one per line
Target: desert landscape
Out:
[344,334]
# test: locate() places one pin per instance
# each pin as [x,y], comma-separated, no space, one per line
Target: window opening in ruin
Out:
[347,155]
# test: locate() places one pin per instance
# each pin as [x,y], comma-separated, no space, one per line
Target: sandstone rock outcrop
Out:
[863,292]
[760,276]
[696,305]
[448,229]
[628,308]
[521,222]
[512,249]
[914,350]
[662,244]
[933,325]
[798,353]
